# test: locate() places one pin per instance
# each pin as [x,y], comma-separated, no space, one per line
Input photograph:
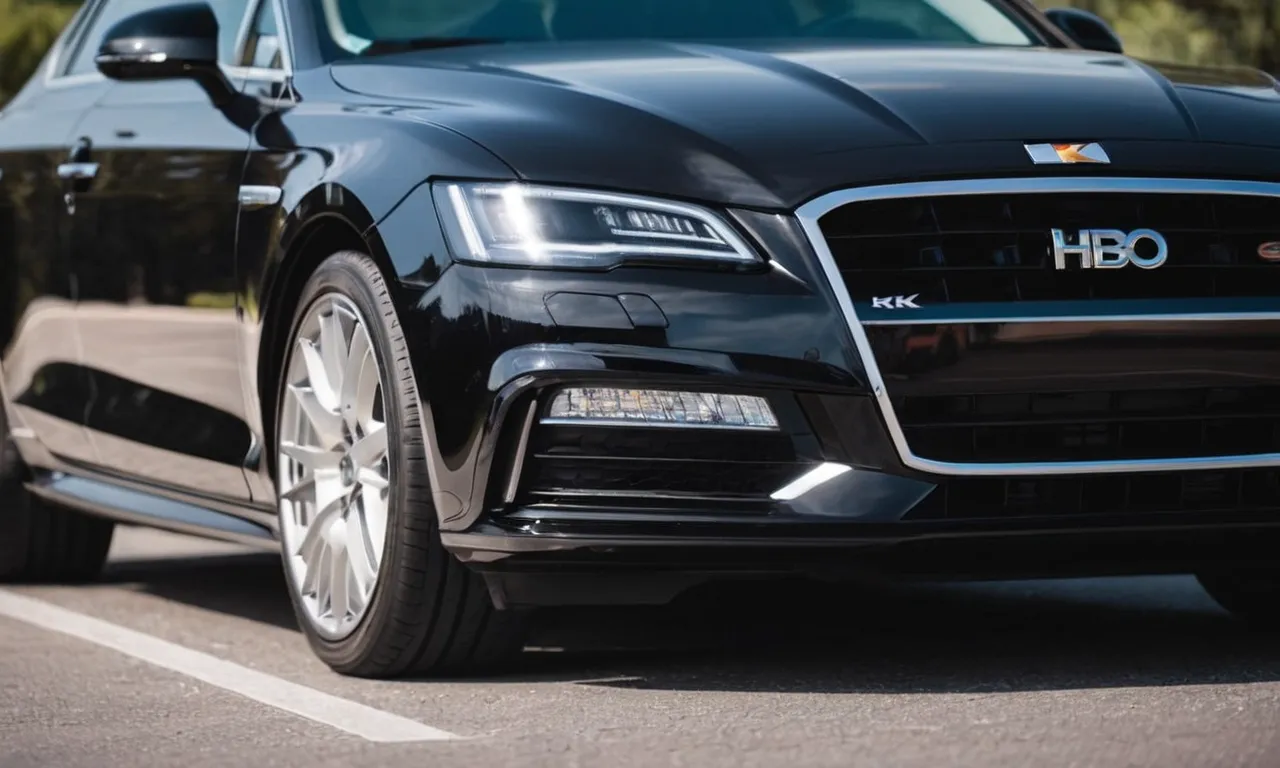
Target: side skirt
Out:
[127,505]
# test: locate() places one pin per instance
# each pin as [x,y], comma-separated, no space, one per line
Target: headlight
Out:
[531,226]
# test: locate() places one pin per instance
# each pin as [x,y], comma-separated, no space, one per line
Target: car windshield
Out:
[356,24]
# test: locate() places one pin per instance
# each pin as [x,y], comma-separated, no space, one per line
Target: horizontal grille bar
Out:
[1102,495]
[710,479]
[1093,426]
[672,444]
[1035,212]
[995,248]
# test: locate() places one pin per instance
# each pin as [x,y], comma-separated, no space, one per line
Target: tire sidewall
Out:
[356,278]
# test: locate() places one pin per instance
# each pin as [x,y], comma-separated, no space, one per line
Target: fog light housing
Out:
[658,408]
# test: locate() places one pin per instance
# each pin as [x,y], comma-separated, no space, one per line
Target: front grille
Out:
[995,248]
[630,467]
[1228,491]
[1092,426]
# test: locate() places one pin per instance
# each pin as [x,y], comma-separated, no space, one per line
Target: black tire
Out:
[429,614]
[1252,596]
[42,542]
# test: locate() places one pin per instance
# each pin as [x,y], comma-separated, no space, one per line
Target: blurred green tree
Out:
[1204,32]
[27,29]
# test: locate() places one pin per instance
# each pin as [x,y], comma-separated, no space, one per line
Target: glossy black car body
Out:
[1037,420]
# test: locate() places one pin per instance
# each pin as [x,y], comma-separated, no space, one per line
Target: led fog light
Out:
[651,408]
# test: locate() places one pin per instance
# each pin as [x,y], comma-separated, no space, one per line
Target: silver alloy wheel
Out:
[334,474]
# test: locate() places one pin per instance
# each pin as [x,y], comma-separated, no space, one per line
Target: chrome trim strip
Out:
[247,18]
[131,58]
[253,197]
[589,493]
[819,475]
[517,462]
[651,425]
[71,34]
[1154,317]
[810,213]
[537,515]
[284,29]
[77,171]
[132,506]
[242,40]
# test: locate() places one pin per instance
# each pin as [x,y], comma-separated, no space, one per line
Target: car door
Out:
[264,60]
[153,240]
[41,371]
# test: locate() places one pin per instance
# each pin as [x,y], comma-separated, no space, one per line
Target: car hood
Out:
[771,126]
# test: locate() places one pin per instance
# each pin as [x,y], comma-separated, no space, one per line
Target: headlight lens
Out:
[531,226]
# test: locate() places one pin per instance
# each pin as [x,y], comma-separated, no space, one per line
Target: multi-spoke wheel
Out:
[375,591]
[334,473]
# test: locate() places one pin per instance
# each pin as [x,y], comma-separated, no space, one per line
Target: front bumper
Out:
[514,494]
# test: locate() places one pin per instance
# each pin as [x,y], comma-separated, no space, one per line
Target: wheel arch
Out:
[339,189]
[334,220]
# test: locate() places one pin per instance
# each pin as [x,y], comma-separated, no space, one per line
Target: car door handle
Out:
[253,197]
[77,171]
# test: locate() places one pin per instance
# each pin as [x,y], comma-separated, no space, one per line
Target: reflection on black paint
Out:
[126,409]
[8,276]
[58,389]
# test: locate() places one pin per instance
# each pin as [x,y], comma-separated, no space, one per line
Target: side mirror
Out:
[167,43]
[1087,29]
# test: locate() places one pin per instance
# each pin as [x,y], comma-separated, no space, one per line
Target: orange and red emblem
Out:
[1067,154]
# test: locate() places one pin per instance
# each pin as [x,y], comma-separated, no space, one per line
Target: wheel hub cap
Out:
[334,473]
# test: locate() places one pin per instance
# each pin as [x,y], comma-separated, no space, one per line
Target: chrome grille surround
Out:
[810,214]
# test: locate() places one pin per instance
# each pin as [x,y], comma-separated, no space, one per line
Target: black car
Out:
[475,306]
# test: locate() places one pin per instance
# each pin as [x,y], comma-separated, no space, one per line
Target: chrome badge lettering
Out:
[1109,249]
[895,302]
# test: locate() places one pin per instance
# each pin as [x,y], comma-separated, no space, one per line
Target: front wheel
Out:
[373,587]
[1253,596]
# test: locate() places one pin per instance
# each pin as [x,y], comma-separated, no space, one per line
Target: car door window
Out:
[229,13]
[262,45]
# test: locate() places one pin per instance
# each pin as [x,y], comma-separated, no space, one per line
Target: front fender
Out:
[337,172]
[353,162]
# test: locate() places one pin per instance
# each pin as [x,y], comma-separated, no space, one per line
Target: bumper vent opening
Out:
[632,468]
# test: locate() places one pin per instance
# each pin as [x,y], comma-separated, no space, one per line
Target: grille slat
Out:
[996,248]
[1102,495]
[1092,426]
[720,480]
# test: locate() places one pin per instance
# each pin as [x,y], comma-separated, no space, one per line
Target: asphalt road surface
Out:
[188,655]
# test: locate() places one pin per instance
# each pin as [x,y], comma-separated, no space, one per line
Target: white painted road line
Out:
[357,719]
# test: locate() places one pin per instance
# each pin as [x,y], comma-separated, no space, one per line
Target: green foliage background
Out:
[1211,32]
[1206,32]
[27,29]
